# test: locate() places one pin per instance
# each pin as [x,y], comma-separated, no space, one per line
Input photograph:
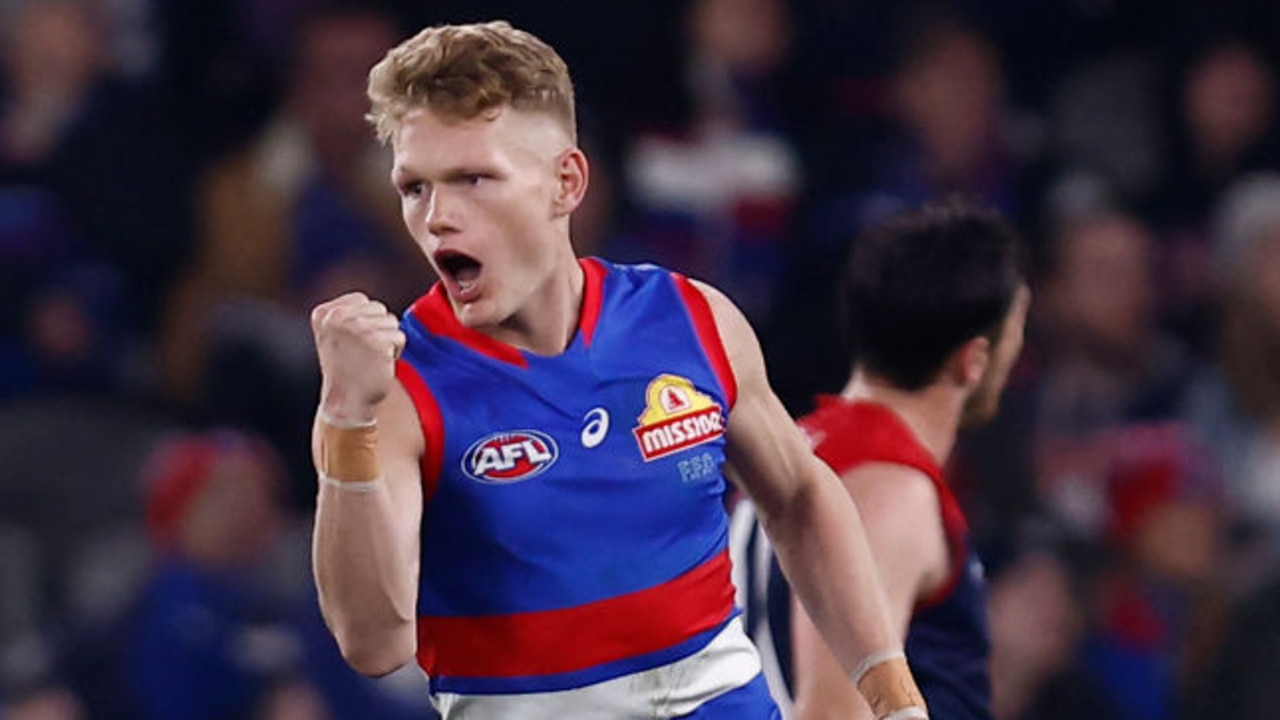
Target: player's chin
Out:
[478,314]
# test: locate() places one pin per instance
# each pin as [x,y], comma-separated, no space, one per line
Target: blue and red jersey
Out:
[574,529]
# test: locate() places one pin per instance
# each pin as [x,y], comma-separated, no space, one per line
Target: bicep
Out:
[766,453]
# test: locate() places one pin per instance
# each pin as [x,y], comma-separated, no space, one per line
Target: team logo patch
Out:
[676,417]
[510,456]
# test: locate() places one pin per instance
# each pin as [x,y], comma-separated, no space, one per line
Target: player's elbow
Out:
[790,516]
[377,654]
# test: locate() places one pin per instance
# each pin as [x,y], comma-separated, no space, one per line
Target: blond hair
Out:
[461,71]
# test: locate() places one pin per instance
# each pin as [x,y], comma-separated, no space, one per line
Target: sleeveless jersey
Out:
[574,537]
[947,641]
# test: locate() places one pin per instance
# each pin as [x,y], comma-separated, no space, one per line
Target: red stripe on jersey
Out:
[432,426]
[436,315]
[704,322]
[557,641]
[592,297]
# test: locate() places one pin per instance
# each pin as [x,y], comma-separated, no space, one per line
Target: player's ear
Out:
[969,362]
[572,174]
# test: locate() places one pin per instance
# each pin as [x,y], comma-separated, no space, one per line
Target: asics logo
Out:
[596,427]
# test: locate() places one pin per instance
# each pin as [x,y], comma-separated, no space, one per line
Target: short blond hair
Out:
[461,71]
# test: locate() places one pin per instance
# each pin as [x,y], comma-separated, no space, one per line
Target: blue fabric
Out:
[749,702]
[187,660]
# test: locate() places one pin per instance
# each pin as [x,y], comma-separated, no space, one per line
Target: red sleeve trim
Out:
[956,528]
[432,423]
[704,322]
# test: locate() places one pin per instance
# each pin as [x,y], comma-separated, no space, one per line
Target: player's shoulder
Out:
[893,485]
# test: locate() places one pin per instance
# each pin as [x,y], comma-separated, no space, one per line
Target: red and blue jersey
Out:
[574,529]
[947,644]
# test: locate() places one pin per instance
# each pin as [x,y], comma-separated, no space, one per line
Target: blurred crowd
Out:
[180,181]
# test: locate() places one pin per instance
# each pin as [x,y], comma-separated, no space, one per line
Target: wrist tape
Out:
[885,680]
[348,453]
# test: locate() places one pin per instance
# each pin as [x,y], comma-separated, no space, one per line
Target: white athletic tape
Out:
[873,660]
[331,421]
[355,486]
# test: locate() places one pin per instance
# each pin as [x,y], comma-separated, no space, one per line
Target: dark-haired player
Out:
[935,302]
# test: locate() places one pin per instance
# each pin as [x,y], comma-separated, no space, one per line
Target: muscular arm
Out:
[809,517]
[365,549]
[902,519]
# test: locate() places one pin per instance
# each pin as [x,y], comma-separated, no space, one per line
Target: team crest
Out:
[508,457]
[676,417]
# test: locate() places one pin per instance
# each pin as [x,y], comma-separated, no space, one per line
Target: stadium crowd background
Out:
[180,180]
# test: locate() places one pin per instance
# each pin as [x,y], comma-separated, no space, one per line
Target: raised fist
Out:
[357,341]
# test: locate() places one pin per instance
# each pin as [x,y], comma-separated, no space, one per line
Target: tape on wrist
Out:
[874,659]
[885,680]
[355,486]
[331,421]
[348,454]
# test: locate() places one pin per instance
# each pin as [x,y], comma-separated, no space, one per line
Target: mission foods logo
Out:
[676,417]
[510,456]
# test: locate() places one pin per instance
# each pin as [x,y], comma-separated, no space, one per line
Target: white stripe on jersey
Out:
[728,662]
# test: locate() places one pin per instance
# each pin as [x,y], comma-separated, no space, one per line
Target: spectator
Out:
[1226,122]
[1235,402]
[103,147]
[306,211]
[208,637]
[715,188]
[1160,598]
[1104,361]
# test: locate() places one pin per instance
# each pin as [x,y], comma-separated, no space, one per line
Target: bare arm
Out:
[811,520]
[365,548]
[902,519]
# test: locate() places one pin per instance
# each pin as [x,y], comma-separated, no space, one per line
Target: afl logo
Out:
[511,456]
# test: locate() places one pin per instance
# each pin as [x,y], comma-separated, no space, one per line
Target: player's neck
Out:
[932,413]
[548,321]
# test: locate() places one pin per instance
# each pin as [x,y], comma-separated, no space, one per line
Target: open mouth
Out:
[461,271]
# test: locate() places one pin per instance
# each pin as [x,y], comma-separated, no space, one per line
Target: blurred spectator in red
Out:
[208,637]
[1160,598]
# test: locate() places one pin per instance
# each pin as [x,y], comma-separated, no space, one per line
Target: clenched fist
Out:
[357,341]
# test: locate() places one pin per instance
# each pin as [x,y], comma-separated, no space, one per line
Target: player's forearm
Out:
[823,549]
[364,578]
[364,570]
